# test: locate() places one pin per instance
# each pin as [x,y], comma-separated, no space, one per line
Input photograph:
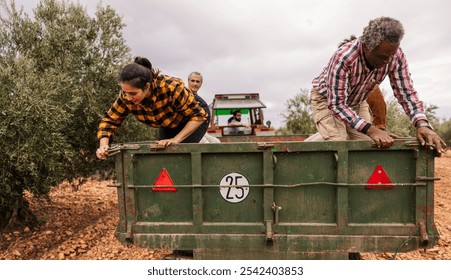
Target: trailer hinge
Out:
[424,238]
[274,161]
[264,145]
[128,234]
[424,178]
[115,185]
[276,210]
[269,233]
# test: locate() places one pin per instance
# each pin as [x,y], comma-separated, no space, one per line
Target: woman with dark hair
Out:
[156,100]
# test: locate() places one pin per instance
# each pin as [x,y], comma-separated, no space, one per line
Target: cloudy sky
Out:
[277,47]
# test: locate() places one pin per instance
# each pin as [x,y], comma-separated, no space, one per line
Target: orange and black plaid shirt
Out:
[169,105]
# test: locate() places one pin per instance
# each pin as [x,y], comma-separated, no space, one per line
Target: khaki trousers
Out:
[330,127]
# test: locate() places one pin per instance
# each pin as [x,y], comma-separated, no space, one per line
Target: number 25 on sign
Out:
[233,187]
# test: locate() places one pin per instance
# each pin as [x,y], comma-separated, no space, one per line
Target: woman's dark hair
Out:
[138,73]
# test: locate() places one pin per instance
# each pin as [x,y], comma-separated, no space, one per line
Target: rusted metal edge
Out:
[282,186]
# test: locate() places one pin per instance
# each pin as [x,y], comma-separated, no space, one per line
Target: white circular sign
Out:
[232,187]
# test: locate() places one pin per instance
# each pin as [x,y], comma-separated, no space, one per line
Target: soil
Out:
[79,224]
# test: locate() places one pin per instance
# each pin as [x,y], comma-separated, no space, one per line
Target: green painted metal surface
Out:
[283,200]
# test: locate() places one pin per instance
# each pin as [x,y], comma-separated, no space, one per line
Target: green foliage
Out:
[399,123]
[443,129]
[35,153]
[298,115]
[133,130]
[58,71]
[397,120]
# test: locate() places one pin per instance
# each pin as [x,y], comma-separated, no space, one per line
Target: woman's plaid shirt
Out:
[169,105]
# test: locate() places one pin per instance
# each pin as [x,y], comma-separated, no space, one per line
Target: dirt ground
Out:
[79,225]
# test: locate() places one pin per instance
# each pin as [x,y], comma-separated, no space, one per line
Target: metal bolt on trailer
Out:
[281,200]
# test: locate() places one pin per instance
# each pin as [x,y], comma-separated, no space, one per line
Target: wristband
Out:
[423,124]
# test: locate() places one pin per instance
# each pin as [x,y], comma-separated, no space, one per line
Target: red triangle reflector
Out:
[379,176]
[164,180]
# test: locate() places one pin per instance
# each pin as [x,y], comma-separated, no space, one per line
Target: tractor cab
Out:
[250,108]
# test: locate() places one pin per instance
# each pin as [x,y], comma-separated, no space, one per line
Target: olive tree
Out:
[443,128]
[298,115]
[58,69]
[399,123]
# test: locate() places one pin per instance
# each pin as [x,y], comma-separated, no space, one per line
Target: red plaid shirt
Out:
[347,82]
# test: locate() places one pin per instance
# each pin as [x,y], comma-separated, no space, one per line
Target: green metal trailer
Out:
[280,200]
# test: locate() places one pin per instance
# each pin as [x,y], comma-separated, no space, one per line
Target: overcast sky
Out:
[278,47]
